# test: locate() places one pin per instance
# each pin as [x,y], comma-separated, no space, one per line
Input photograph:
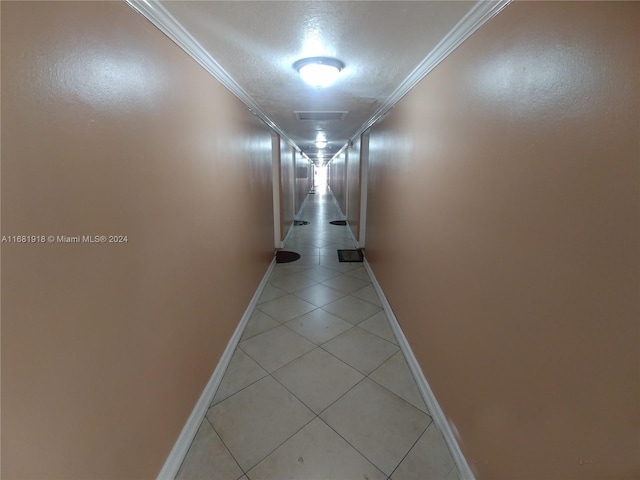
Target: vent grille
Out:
[321,116]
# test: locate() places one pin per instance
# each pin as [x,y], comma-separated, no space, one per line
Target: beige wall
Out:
[109,128]
[275,172]
[287,187]
[303,181]
[353,189]
[337,173]
[503,228]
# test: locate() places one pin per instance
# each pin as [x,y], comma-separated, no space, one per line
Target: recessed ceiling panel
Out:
[321,116]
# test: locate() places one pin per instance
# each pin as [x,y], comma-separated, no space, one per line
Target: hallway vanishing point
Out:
[318,387]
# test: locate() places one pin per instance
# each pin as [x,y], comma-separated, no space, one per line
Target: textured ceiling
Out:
[257,42]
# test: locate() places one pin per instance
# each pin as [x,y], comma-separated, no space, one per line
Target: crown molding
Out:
[153,11]
[481,13]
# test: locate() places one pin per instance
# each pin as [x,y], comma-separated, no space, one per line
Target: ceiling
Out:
[257,42]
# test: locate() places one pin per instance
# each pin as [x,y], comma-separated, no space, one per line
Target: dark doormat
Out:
[283,256]
[350,255]
[338,222]
[300,222]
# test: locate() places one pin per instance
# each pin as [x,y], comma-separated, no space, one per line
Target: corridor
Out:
[157,153]
[318,386]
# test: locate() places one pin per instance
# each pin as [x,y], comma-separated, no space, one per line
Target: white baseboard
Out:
[286,237]
[344,217]
[353,237]
[429,398]
[181,447]
[335,202]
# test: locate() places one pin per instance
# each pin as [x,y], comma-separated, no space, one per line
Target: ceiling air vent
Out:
[321,116]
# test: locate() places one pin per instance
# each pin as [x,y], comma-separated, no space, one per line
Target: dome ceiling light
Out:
[319,71]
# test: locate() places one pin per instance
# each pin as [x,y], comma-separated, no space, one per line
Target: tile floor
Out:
[318,387]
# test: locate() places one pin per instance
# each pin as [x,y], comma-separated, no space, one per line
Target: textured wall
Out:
[353,189]
[109,128]
[337,174]
[303,180]
[287,187]
[503,227]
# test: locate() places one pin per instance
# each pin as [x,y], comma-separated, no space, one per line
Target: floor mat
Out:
[284,256]
[350,255]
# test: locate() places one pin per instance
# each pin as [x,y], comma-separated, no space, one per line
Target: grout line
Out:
[435,410]
[394,393]
[284,441]
[256,306]
[226,447]
[411,448]
[187,434]
[243,388]
[293,393]
[342,396]
[347,441]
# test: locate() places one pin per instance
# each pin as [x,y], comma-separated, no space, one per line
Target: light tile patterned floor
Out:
[318,387]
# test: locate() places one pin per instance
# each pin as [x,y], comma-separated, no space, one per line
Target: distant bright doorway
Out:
[320,177]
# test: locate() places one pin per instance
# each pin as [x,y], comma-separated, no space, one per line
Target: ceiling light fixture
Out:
[319,71]
[321,143]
